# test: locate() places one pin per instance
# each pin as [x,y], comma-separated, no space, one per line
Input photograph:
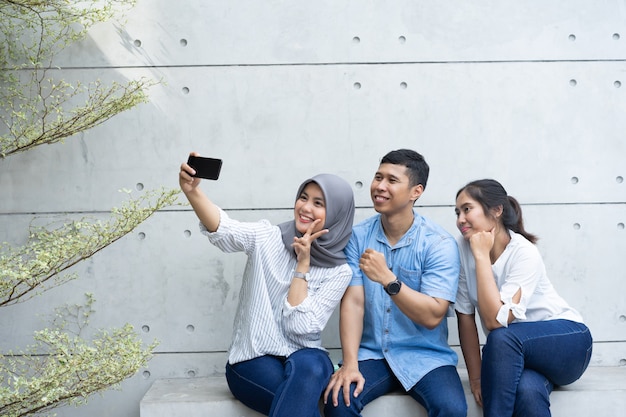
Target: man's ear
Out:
[416,192]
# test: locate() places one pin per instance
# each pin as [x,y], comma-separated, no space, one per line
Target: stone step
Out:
[601,391]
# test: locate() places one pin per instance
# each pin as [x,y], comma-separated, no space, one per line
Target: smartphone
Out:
[208,168]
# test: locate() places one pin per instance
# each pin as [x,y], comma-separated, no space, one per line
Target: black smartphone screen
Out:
[208,168]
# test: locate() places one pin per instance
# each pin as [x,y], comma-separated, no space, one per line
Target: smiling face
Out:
[391,190]
[310,206]
[470,216]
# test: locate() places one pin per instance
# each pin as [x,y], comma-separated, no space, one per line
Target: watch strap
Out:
[393,287]
[301,275]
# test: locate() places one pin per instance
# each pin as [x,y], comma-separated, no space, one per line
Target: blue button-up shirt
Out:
[427,260]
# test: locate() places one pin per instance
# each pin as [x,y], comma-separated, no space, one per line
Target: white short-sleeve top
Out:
[519,266]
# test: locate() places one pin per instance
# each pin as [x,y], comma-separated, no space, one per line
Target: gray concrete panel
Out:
[202,32]
[550,140]
[170,283]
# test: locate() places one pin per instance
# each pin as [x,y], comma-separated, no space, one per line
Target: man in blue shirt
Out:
[393,325]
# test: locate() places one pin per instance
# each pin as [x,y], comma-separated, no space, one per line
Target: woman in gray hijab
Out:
[295,276]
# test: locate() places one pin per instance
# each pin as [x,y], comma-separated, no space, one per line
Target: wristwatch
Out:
[393,287]
[301,275]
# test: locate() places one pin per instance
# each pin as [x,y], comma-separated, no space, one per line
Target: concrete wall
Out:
[529,93]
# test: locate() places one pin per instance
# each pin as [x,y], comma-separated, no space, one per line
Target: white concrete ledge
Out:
[601,391]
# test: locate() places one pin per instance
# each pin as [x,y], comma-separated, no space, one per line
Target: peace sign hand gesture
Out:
[302,245]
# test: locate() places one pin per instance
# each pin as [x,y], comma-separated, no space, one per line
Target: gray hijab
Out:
[327,250]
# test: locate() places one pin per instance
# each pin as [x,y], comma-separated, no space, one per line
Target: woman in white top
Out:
[295,276]
[535,339]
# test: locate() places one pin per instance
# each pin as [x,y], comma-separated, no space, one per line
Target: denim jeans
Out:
[440,391]
[282,387]
[523,362]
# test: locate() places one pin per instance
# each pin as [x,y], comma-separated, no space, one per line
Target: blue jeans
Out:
[278,386]
[440,391]
[523,362]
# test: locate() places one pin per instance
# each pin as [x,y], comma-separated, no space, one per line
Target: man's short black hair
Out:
[417,168]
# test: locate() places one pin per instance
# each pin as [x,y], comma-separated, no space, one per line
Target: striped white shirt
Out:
[265,323]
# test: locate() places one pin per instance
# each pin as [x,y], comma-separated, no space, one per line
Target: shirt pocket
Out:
[412,278]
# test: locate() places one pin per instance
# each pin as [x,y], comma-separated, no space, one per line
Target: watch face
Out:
[393,287]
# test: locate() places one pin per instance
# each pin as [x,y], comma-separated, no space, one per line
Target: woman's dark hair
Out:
[417,168]
[491,194]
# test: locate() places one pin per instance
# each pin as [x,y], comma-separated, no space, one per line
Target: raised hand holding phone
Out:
[189,179]
[208,168]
